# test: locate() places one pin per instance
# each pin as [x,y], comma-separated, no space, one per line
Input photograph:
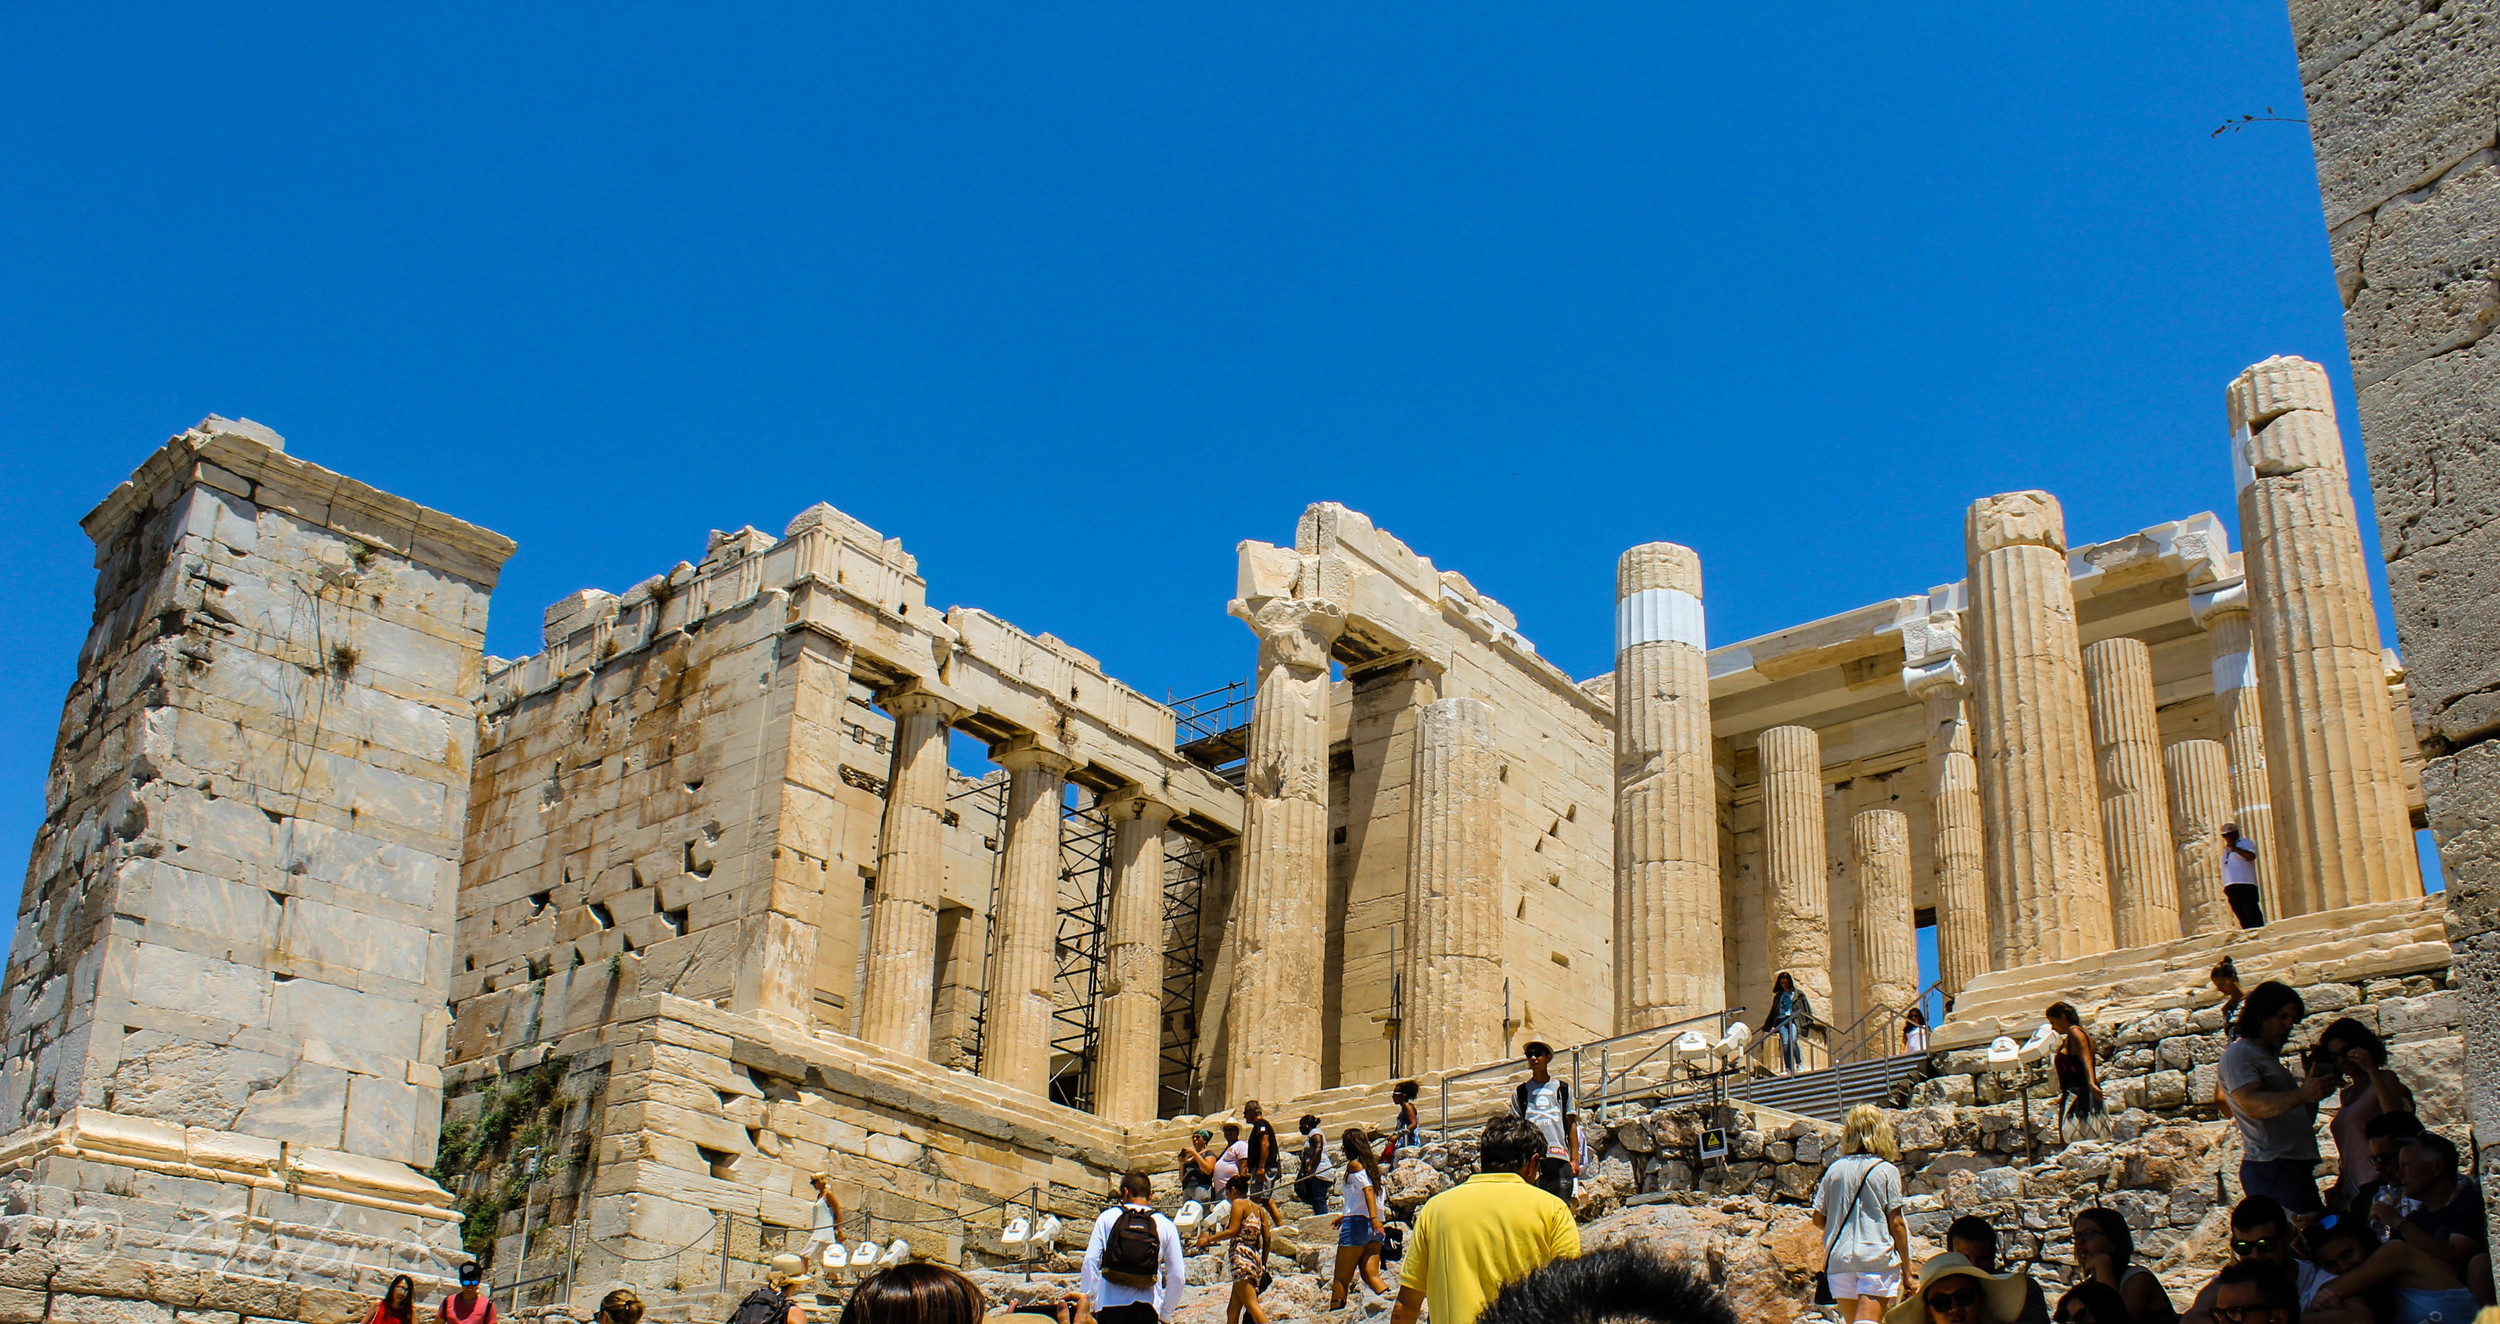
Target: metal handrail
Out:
[1605,1078]
[1578,1050]
[1850,1045]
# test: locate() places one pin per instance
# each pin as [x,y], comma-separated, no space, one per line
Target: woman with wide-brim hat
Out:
[1952,1290]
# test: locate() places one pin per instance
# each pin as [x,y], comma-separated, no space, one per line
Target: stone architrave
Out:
[2340,818]
[1934,673]
[1279,949]
[2222,609]
[2200,803]
[1128,1053]
[1879,845]
[1454,901]
[902,955]
[1016,1030]
[1666,795]
[1799,914]
[2135,805]
[2048,895]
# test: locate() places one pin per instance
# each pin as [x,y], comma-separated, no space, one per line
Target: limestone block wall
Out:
[689,1117]
[630,812]
[1554,783]
[236,911]
[2401,99]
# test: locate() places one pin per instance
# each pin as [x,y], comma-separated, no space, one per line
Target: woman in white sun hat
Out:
[1952,1290]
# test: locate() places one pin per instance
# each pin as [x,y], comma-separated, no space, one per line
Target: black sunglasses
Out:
[2249,1314]
[2260,1246]
[1949,1300]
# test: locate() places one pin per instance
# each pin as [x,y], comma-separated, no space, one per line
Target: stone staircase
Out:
[1828,1095]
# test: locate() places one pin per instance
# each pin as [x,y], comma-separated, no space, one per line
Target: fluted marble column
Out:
[1016,1031]
[1666,805]
[1273,1043]
[2223,610]
[2048,896]
[1128,1053]
[2200,803]
[911,870]
[2135,804]
[2332,748]
[1879,845]
[1935,673]
[1454,898]
[1799,914]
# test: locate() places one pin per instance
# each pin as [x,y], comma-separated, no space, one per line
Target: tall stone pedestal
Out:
[226,997]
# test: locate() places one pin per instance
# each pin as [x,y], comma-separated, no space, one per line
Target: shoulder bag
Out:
[1831,1236]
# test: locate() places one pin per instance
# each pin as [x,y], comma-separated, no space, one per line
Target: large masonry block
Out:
[236,930]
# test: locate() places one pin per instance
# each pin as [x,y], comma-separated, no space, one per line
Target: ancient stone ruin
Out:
[346,951]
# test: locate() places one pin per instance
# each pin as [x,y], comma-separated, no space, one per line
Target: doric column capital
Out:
[2266,391]
[1658,597]
[1931,653]
[1300,630]
[1658,565]
[1028,753]
[1135,803]
[2015,519]
[2219,598]
[922,696]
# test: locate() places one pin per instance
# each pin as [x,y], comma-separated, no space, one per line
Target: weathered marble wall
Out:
[225,998]
[2404,112]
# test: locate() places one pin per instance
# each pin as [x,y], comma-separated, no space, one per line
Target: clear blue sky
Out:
[1074,298]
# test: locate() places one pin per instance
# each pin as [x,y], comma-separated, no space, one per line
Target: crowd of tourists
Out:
[2392,1233]
[2394,1236]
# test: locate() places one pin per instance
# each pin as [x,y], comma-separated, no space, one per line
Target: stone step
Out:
[2379,940]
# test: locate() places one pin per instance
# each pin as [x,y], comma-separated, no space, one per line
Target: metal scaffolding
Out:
[1186,865]
[1084,884]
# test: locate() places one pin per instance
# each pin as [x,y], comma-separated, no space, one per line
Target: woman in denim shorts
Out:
[1359,1233]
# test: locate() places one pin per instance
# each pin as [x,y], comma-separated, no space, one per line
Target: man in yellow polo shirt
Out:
[1476,1238]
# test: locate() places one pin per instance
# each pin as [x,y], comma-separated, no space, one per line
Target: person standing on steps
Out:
[1264,1161]
[398,1304]
[826,1233]
[2081,1113]
[2277,1112]
[1318,1174]
[467,1306]
[2239,878]
[1406,1129]
[1857,1205]
[1546,1103]
[1791,1016]
[1133,1271]
[1247,1228]
[1360,1237]
[1197,1167]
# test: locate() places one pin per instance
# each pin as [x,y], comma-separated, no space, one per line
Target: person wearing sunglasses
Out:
[2262,1236]
[2092,1302]
[1952,1290]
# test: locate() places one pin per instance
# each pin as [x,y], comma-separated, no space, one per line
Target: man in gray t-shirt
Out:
[2277,1112]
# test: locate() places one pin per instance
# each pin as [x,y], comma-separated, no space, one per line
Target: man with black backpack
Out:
[1133,1268]
[1546,1102]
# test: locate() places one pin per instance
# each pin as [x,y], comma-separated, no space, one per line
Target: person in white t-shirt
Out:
[1359,1235]
[1546,1102]
[2239,878]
